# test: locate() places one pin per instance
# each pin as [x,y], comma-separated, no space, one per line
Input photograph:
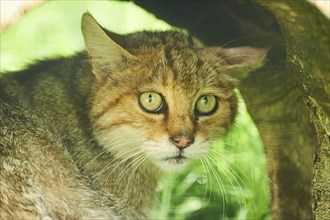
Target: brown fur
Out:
[69,130]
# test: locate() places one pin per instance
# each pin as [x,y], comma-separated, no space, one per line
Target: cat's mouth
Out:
[178,159]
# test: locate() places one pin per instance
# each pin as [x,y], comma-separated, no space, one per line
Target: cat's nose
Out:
[182,142]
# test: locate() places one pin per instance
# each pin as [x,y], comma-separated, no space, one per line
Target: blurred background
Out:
[231,183]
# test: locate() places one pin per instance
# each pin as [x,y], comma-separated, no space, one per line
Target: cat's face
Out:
[161,99]
[168,114]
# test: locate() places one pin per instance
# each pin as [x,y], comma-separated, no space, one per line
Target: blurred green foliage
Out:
[230,183]
[53,29]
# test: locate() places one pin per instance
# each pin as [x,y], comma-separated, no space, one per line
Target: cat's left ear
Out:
[240,61]
[106,55]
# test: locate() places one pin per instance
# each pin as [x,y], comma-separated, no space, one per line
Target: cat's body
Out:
[34,135]
[82,141]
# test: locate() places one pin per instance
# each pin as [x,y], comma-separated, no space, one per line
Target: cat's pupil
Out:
[205,101]
[150,98]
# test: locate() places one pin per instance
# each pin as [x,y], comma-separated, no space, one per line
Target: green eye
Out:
[151,102]
[206,105]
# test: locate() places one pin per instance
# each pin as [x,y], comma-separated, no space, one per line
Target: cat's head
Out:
[159,98]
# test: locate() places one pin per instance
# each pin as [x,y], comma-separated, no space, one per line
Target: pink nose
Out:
[182,142]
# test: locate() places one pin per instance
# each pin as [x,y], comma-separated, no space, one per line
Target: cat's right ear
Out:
[237,62]
[106,56]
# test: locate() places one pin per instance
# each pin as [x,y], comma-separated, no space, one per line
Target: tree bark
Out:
[288,98]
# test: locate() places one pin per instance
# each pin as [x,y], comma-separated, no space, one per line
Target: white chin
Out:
[173,165]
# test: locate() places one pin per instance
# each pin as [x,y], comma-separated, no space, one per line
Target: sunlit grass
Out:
[230,184]
[53,29]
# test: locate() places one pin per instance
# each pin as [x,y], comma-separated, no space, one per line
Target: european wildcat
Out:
[89,138]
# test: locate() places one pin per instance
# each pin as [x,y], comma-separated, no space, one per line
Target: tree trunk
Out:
[288,98]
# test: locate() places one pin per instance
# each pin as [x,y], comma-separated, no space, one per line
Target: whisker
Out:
[143,160]
[209,182]
[231,183]
[248,164]
[107,150]
[220,183]
[111,164]
[125,160]
[128,167]
[234,40]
